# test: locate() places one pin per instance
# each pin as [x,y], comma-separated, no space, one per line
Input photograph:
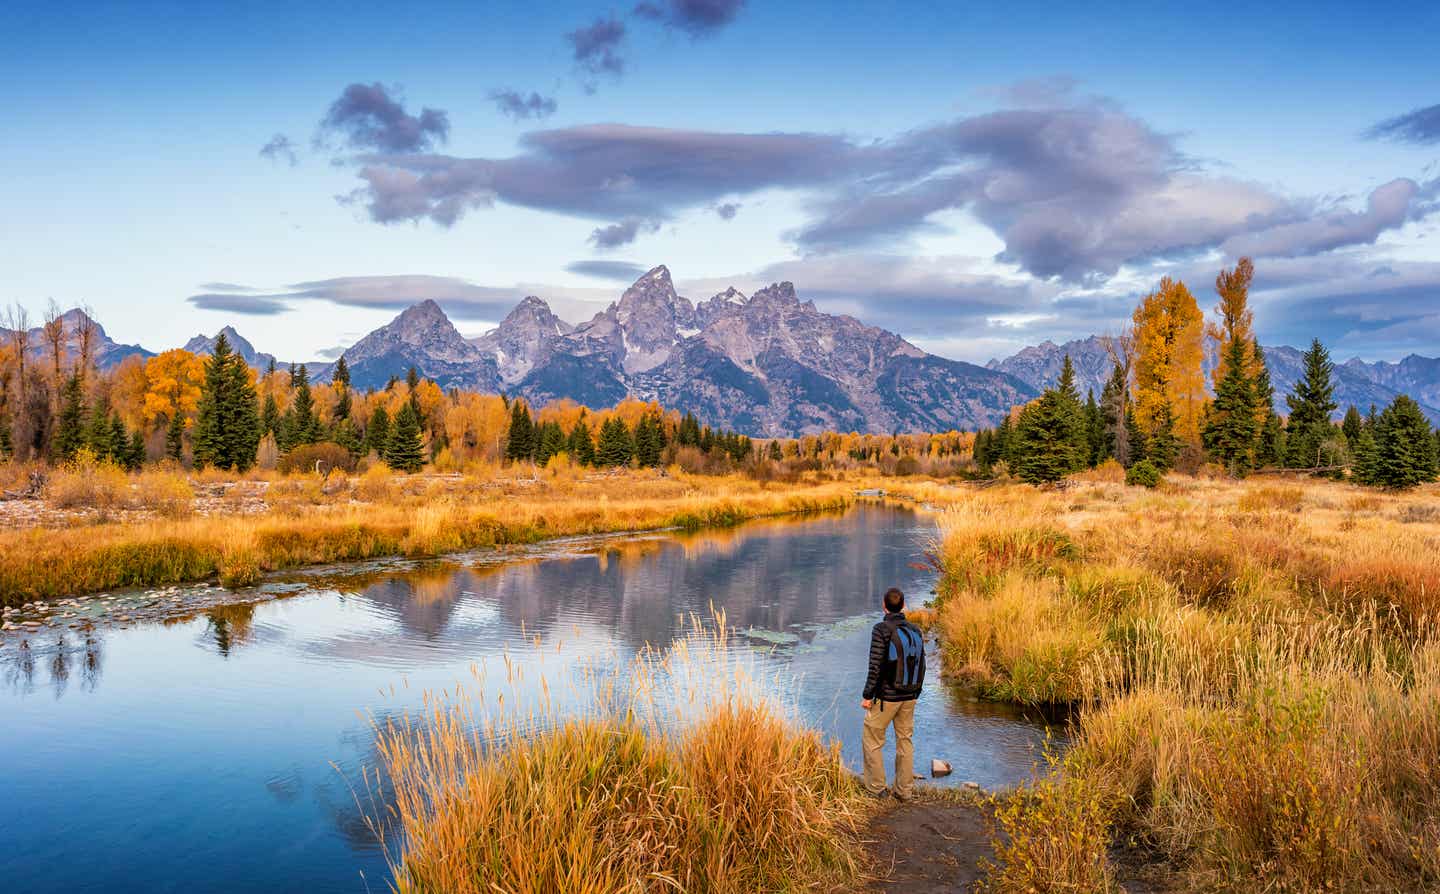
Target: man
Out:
[897,672]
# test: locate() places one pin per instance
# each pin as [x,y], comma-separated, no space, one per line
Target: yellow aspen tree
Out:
[1169,353]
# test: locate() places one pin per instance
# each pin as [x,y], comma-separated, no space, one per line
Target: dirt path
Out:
[927,847]
[936,844]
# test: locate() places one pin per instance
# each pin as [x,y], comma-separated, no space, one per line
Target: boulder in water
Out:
[939,768]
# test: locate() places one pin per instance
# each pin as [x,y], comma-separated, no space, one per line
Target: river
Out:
[222,750]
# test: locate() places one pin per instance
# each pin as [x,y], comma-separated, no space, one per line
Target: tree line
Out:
[1154,411]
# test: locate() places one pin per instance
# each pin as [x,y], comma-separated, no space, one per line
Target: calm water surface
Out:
[218,752]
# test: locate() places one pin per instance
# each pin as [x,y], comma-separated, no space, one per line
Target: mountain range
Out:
[767,364]
[1357,382]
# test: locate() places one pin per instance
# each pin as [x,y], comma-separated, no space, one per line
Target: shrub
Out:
[330,455]
[88,483]
[1144,474]
[375,485]
[167,493]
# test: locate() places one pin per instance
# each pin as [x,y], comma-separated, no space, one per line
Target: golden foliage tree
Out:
[172,385]
[1169,353]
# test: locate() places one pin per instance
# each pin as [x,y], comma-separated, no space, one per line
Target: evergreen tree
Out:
[707,439]
[775,452]
[119,442]
[100,434]
[550,440]
[1270,451]
[520,442]
[580,445]
[344,433]
[649,441]
[341,378]
[1138,443]
[405,452]
[1162,447]
[1365,456]
[136,457]
[7,442]
[1351,426]
[377,433]
[1311,404]
[412,381]
[1404,446]
[175,436]
[270,417]
[1095,431]
[71,430]
[227,422]
[302,426]
[1231,432]
[1051,436]
[1114,407]
[614,447]
[689,433]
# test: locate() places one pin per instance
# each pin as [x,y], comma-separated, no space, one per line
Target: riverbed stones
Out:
[939,768]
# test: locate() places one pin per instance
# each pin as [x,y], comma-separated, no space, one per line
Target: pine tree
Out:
[520,441]
[100,434]
[1366,456]
[405,452]
[175,436]
[1270,451]
[580,445]
[1051,434]
[70,432]
[341,378]
[1311,404]
[1115,408]
[775,452]
[412,382]
[614,447]
[270,417]
[1404,446]
[1352,425]
[1230,434]
[377,433]
[227,422]
[136,457]
[302,425]
[1095,431]
[119,442]
[549,441]
[648,441]
[689,433]
[1162,445]
[7,442]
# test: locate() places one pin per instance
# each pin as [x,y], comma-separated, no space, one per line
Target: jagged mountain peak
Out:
[776,293]
[523,339]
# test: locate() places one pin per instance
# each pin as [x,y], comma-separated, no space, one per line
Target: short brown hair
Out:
[894,600]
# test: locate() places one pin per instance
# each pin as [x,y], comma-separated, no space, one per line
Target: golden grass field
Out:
[1256,671]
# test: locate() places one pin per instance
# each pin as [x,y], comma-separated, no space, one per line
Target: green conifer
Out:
[1404,446]
[580,445]
[520,439]
[615,446]
[405,452]
[377,432]
[71,430]
[1231,431]
[1311,403]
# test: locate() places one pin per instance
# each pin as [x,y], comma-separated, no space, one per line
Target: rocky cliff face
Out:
[422,337]
[205,344]
[523,340]
[1356,381]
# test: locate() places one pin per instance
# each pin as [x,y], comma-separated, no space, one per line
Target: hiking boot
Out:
[880,795]
[904,797]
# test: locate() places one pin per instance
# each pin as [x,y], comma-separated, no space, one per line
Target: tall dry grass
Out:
[1257,669]
[655,789]
[311,527]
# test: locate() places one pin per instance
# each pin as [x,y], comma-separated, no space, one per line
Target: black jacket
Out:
[879,681]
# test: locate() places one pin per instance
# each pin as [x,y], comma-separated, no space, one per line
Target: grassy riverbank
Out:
[301,523]
[1257,670]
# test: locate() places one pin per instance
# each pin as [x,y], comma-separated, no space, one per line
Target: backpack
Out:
[907,650]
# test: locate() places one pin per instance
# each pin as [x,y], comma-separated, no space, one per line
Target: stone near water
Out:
[972,786]
[939,768]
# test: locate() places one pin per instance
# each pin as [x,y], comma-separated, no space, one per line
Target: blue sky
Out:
[974,178]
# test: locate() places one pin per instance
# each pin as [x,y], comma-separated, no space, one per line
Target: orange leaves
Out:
[1169,348]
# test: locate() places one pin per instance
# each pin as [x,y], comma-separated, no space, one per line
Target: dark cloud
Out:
[1420,126]
[616,271]
[280,148]
[250,305]
[698,18]
[622,233]
[601,171]
[332,353]
[461,299]
[596,47]
[368,117]
[517,106]
[1075,191]
[727,210]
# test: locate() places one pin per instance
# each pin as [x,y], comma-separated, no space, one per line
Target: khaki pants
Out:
[877,720]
